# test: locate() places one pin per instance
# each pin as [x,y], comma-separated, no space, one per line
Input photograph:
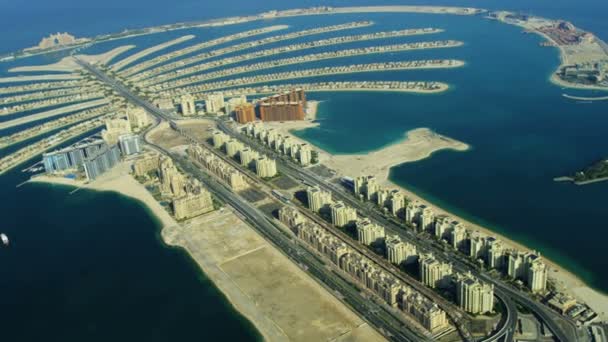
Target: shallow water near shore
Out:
[91,266]
[523,133]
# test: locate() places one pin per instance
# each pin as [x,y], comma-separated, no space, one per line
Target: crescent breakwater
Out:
[582,54]
[585,98]
[324,10]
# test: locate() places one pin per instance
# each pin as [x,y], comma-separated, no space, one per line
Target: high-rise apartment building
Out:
[369,233]
[265,167]
[342,215]
[317,198]
[399,252]
[474,296]
[101,161]
[187,104]
[214,103]
[192,204]
[129,144]
[434,273]
[138,118]
[114,129]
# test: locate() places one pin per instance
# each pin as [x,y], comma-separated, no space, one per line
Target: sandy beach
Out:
[117,180]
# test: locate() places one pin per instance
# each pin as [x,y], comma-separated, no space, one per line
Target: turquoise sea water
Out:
[522,132]
[90,266]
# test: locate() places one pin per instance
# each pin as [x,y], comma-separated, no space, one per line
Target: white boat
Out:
[4,239]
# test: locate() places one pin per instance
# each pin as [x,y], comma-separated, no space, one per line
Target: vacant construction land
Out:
[282,301]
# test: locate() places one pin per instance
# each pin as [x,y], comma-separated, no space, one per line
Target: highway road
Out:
[376,314]
[453,311]
[563,329]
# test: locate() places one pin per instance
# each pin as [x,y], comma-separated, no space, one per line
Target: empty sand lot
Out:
[282,301]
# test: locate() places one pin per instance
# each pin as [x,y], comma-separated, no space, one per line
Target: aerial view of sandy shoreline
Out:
[201,128]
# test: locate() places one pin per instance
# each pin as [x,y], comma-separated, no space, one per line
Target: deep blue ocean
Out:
[90,266]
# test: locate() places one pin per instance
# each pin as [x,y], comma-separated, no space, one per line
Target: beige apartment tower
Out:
[171,181]
[146,164]
[341,215]
[233,147]
[473,296]
[366,186]
[427,313]
[317,198]
[433,273]
[138,117]
[537,276]
[265,167]
[399,252]
[305,155]
[397,202]
[188,107]
[214,103]
[114,129]
[248,156]
[192,205]
[369,233]
[219,139]
[458,235]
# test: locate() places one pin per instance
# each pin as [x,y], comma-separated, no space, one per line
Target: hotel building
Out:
[283,107]
[138,117]
[244,113]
